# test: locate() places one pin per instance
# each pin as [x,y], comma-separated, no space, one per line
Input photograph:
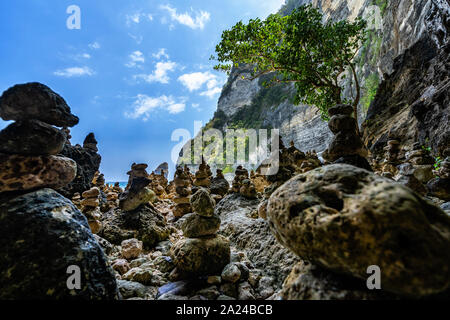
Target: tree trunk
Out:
[358,95]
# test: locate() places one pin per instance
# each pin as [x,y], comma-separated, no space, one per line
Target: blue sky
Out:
[135,71]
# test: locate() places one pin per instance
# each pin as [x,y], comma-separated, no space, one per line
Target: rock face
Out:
[30,172]
[345,219]
[42,235]
[253,236]
[31,137]
[144,223]
[37,102]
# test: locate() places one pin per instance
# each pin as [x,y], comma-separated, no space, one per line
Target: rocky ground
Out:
[308,232]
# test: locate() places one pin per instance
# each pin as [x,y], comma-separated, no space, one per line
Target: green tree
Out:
[297,48]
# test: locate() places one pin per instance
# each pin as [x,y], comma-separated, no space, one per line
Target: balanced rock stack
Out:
[159,184]
[137,171]
[137,194]
[258,180]
[183,191]
[43,233]
[346,146]
[28,147]
[188,173]
[203,176]
[90,142]
[390,164]
[90,204]
[202,252]
[219,185]
[240,174]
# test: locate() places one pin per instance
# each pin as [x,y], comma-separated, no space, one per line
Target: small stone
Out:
[131,249]
[214,280]
[36,101]
[31,137]
[231,273]
[92,193]
[121,265]
[245,292]
[210,293]
[143,276]
[229,289]
[130,289]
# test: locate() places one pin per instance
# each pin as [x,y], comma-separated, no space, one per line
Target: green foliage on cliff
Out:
[382,4]
[370,90]
[297,48]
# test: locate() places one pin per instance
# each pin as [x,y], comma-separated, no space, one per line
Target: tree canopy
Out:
[297,48]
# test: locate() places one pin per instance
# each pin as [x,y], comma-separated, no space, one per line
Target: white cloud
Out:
[136,18]
[194,81]
[161,53]
[197,22]
[74,72]
[144,106]
[136,38]
[160,74]
[197,80]
[136,58]
[94,45]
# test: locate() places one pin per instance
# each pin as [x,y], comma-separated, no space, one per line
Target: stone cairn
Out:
[29,146]
[183,191]
[391,159]
[137,171]
[159,184]
[258,180]
[417,169]
[90,143]
[242,184]
[203,176]
[137,194]
[202,252]
[219,186]
[346,146]
[89,207]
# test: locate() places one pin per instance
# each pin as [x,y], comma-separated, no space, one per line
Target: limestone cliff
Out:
[394,26]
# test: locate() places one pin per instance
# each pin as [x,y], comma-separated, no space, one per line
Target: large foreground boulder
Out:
[346,219]
[43,234]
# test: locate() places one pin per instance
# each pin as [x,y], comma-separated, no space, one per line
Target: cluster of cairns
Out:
[202,252]
[243,185]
